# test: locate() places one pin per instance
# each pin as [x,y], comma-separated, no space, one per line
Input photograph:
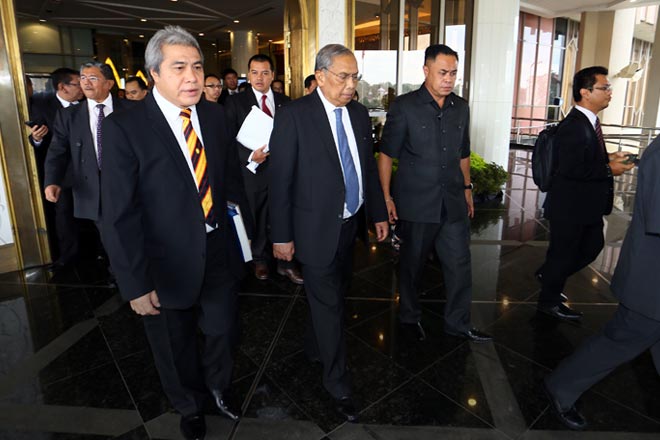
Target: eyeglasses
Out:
[213,86]
[607,88]
[342,77]
[90,78]
[73,84]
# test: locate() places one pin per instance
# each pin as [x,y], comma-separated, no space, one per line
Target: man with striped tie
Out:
[169,171]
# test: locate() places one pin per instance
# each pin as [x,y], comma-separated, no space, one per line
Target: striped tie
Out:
[198,157]
[599,135]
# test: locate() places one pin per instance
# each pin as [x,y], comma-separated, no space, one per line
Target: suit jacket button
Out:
[340,216]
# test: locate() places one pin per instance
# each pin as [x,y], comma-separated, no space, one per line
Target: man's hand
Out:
[616,163]
[52,193]
[382,229]
[259,155]
[284,251]
[146,304]
[391,210]
[470,202]
[38,132]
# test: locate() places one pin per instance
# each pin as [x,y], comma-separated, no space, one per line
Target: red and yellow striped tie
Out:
[198,157]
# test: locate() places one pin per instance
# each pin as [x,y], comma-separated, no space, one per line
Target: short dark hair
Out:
[211,75]
[309,79]
[228,72]
[137,80]
[63,75]
[585,79]
[261,58]
[434,50]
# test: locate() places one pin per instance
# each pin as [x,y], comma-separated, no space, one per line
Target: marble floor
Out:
[75,364]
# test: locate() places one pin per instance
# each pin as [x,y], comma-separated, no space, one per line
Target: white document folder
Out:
[234,212]
[255,132]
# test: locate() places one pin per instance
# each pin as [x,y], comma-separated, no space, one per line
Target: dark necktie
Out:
[99,145]
[264,107]
[599,135]
[350,174]
[198,159]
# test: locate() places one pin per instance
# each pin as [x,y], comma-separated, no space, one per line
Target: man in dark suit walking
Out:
[260,74]
[230,85]
[428,130]
[169,172]
[323,186]
[62,228]
[581,192]
[635,326]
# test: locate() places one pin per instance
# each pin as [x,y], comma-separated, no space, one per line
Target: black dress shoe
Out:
[473,335]
[193,427]
[561,311]
[346,408]
[261,271]
[292,274]
[226,405]
[570,418]
[414,329]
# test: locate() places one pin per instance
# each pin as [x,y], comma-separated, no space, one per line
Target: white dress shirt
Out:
[94,115]
[270,99]
[589,114]
[352,144]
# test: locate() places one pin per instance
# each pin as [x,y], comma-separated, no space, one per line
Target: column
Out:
[243,46]
[493,75]
[652,97]
[332,22]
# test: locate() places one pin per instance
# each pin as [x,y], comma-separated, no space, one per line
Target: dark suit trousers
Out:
[452,244]
[622,339]
[185,374]
[66,227]
[572,247]
[326,287]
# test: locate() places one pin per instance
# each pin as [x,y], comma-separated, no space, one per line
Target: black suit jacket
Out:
[306,183]
[73,146]
[43,109]
[153,223]
[238,106]
[582,188]
[224,94]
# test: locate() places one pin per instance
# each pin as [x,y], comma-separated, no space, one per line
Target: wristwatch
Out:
[469,186]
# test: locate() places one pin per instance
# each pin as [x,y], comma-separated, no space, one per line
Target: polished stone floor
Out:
[75,364]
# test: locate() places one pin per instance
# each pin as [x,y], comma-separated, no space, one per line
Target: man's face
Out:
[278,86]
[181,75]
[600,95]
[134,92]
[212,88]
[260,75]
[440,75]
[94,85]
[231,81]
[312,87]
[72,91]
[339,81]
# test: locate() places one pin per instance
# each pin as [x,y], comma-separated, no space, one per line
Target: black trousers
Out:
[326,287]
[66,227]
[187,370]
[451,241]
[622,339]
[572,247]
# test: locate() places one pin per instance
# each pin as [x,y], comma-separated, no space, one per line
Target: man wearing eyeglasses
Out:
[428,130]
[323,187]
[62,228]
[212,87]
[78,143]
[581,193]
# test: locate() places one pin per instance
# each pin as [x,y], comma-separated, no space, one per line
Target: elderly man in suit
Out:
[581,192]
[428,131]
[261,74]
[635,326]
[169,172]
[62,228]
[323,186]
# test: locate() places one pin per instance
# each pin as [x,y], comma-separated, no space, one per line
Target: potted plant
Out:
[488,179]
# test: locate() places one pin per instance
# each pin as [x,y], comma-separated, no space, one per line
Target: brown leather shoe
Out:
[261,271]
[292,274]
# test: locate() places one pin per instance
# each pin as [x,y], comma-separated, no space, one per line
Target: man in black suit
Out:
[78,143]
[635,326]
[581,192]
[169,172]
[260,74]
[62,228]
[428,130]
[323,185]
[230,83]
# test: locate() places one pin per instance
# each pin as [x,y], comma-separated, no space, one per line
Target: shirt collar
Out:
[427,97]
[64,102]
[170,111]
[258,94]
[588,113]
[107,102]
[329,107]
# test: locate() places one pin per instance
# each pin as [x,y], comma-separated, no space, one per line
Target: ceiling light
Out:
[201,34]
[143,20]
[270,41]
[141,36]
[237,21]
[42,20]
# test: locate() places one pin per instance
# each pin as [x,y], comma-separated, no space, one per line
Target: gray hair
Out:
[105,69]
[328,53]
[170,35]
